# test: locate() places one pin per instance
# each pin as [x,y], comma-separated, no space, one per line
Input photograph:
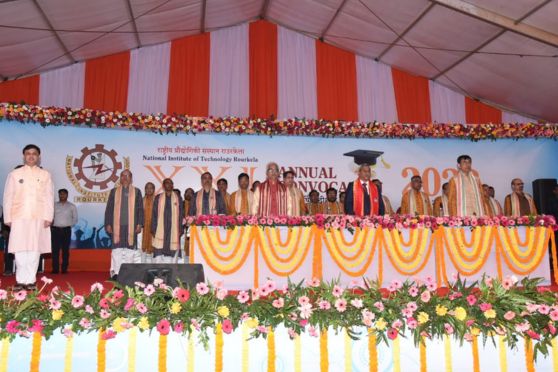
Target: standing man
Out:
[493,206]
[331,205]
[146,236]
[65,216]
[166,224]
[314,207]
[207,200]
[123,222]
[28,211]
[242,199]
[387,204]
[271,197]
[415,201]
[297,206]
[441,202]
[222,186]
[519,203]
[363,197]
[188,196]
[465,191]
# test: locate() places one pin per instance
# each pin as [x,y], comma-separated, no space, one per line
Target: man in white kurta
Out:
[29,210]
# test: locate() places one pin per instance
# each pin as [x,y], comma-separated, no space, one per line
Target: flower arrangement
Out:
[387,222]
[463,311]
[166,124]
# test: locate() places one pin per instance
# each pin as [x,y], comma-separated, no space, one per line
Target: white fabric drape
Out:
[511,117]
[296,70]
[229,87]
[63,87]
[149,79]
[376,96]
[446,106]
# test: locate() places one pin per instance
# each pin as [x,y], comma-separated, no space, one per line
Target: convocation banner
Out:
[88,161]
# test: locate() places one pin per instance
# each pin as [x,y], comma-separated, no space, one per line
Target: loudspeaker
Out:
[171,274]
[542,193]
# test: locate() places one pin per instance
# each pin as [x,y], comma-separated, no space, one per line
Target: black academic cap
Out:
[364,156]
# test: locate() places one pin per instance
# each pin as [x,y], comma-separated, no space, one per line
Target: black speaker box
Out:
[542,193]
[171,274]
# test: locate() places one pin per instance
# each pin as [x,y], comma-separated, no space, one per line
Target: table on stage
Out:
[244,256]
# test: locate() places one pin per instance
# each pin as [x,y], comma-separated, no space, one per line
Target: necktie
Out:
[364,186]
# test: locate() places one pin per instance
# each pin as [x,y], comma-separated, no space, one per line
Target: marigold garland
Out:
[475,349]
[396,352]
[348,351]
[297,354]
[422,353]
[191,354]
[447,354]
[271,351]
[372,351]
[219,348]
[245,348]
[502,354]
[162,360]
[101,352]
[174,124]
[529,357]
[132,347]
[36,352]
[4,355]
[324,356]
[68,354]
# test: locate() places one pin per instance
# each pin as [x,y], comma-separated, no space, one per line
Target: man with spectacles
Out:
[519,203]
[271,197]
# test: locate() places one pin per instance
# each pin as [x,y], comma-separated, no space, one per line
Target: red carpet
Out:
[80,281]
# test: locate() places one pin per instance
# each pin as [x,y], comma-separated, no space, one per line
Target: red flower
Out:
[392,333]
[104,303]
[183,295]
[108,334]
[227,326]
[163,327]
[533,335]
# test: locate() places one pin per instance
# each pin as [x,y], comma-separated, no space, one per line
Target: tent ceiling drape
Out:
[496,50]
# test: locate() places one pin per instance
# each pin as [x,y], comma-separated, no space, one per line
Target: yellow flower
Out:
[143,323]
[441,310]
[460,313]
[252,322]
[380,324]
[475,331]
[423,317]
[223,311]
[490,314]
[175,308]
[57,314]
[117,325]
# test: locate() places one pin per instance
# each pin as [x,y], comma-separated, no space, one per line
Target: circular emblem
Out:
[97,167]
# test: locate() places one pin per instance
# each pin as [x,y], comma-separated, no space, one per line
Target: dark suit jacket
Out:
[350,208]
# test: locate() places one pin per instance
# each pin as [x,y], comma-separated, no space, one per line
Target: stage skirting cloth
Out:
[245,256]
[133,350]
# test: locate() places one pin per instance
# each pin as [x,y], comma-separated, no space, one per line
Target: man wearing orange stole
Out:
[314,207]
[415,201]
[387,204]
[465,194]
[271,197]
[123,222]
[519,203]
[362,196]
[331,205]
[296,198]
[166,224]
[207,201]
[146,237]
[242,199]
[441,205]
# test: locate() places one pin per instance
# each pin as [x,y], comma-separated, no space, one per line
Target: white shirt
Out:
[65,214]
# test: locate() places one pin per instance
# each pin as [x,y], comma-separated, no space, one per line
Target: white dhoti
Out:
[166,259]
[27,263]
[121,256]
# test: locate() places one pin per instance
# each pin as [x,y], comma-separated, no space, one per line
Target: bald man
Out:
[519,203]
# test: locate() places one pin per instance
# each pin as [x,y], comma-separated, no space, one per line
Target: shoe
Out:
[114,277]
[54,272]
[18,287]
[31,287]
[8,273]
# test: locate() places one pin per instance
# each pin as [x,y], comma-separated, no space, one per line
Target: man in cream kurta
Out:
[29,210]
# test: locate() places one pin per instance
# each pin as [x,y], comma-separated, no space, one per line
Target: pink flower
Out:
[305,311]
[85,323]
[20,295]
[341,305]
[262,329]
[195,324]
[3,294]
[392,334]
[544,309]
[37,326]
[507,283]
[270,285]
[431,286]
[67,332]
[129,304]
[104,314]
[312,331]
[202,288]
[78,301]
[108,334]
[149,290]
[412,323]
[221,294]
[54,304]
[227,326]
[163,326]
[425,296]
[337,291]
[357,302]
[303,300]
[243,297]
[533,335]
[12,326]
[509,315]
[397,324]
[97,287]
[104,303]
[117,295]
[522,327]
[303,322]
[554,315]
[471,300]
[485,306]
[89,309]
[532,308]
[413,291]
[324,305]
[407,313]
[448,328]
[141,308]
[315,282]
[46,280]
[179,327]
[278,303]
[379,305]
